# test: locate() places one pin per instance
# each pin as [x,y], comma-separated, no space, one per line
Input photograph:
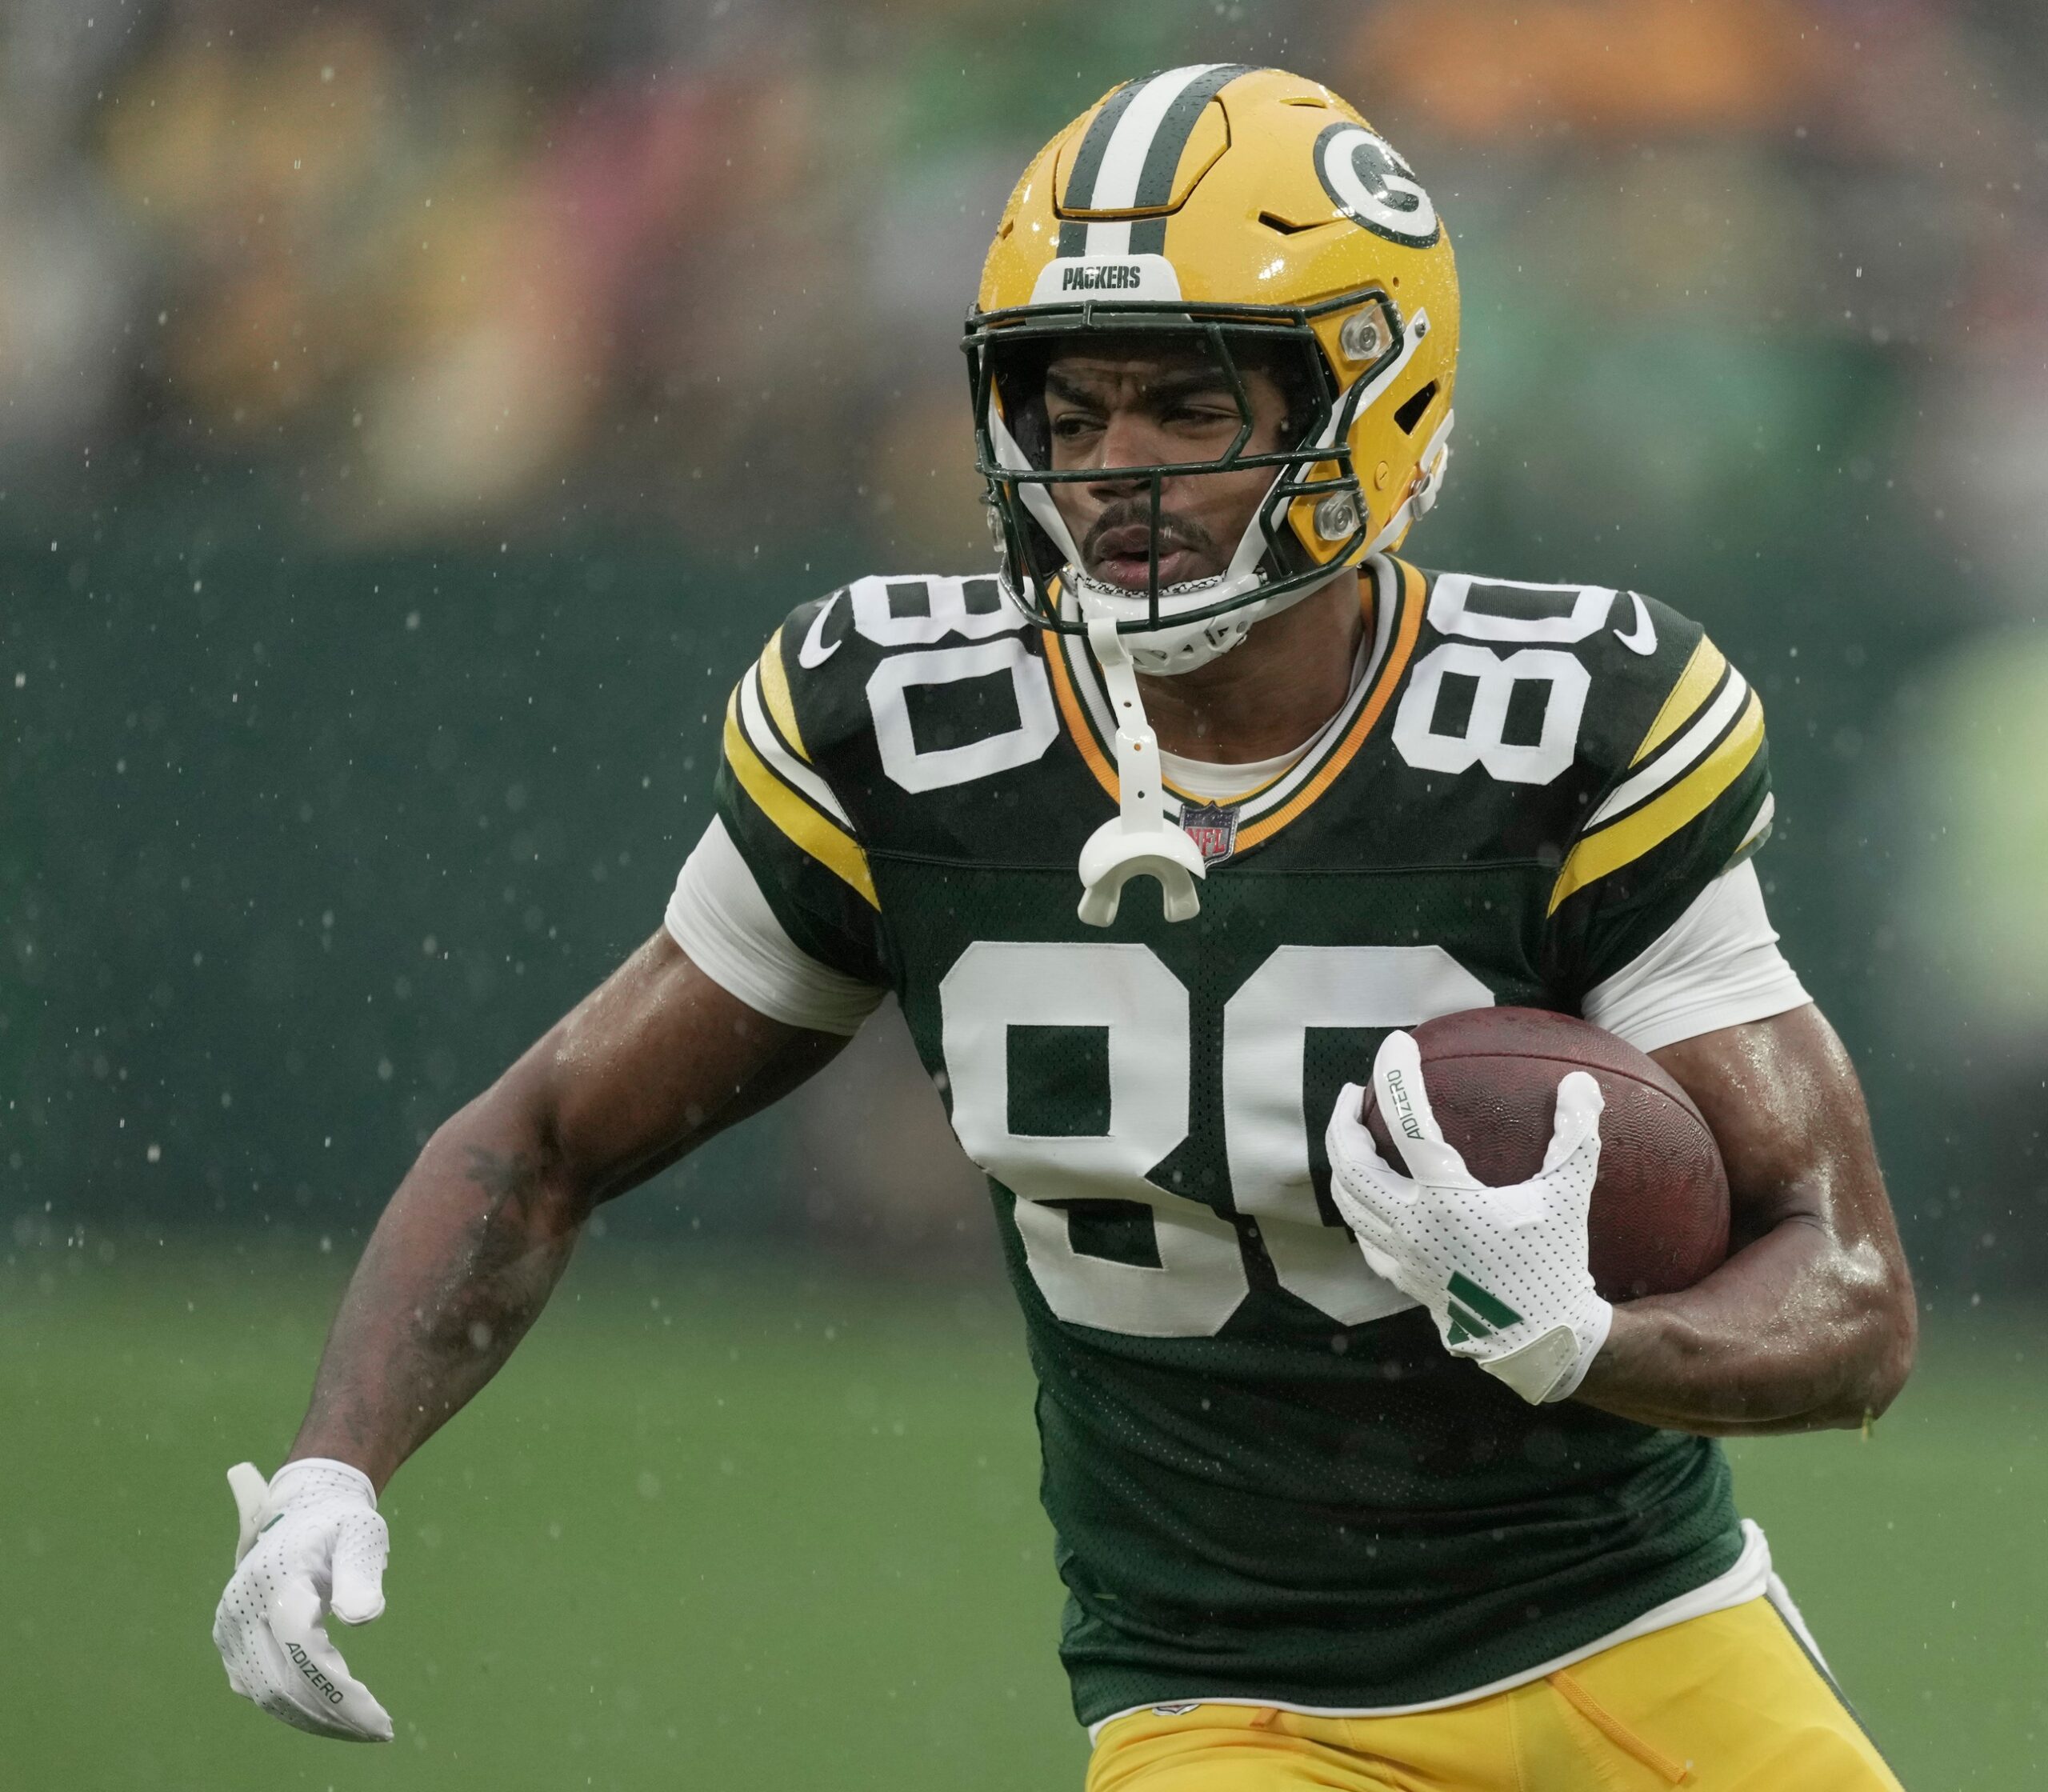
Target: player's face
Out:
[1120,409]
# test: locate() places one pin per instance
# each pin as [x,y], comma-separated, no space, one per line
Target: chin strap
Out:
[1422,495]
[1139,842]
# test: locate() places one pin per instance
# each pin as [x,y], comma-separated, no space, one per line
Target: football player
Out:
[1322,1524]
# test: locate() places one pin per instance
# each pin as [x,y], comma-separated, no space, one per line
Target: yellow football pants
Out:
[1730,1702]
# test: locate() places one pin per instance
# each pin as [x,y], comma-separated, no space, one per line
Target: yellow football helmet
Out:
[1250,210]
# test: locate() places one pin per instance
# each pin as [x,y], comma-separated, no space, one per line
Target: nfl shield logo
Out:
[1213,827]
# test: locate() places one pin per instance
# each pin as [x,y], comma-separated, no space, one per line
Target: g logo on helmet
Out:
[1373,187]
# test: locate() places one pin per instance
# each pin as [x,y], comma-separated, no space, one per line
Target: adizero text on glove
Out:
[1503,1271]
[311,1543]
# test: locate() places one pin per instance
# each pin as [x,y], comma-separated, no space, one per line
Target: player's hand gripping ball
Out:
[1516,1225]
[1659,1220]
[311,1543]
[1503,1270]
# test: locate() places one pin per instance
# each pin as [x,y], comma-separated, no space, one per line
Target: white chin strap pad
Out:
[1177,647]
[1138,841]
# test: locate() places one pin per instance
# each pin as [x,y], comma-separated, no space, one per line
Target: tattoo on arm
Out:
[472,1243]
[516,1250]
[456,1274]
[513,1179]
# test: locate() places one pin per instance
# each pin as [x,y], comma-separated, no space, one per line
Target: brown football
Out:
[1659,1220]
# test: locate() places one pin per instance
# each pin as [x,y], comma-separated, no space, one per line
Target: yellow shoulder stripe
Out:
[1656,822]
[814,834]
[1695,685]
[775,693]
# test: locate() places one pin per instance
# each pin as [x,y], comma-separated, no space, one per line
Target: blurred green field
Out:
[756,1523]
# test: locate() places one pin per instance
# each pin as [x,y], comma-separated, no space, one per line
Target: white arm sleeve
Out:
[1718,965]
[719,917]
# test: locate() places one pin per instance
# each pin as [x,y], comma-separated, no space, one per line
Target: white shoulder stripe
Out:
[1678,757]
[761,737]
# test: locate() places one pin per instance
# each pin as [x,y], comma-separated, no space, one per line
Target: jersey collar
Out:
[1393,604]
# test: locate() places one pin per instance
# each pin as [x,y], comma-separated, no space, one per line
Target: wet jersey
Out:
[1267,1478]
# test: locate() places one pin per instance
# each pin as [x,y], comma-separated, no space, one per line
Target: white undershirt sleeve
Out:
[719,917]
[1718,965]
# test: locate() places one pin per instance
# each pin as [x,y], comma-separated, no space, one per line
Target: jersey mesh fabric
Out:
[1717,966]
[1323,1513]
[1267,1478]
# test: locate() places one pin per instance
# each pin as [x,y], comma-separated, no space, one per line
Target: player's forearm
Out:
[1812,1322]
[653,1060]
[458,1270]
[1794,1333]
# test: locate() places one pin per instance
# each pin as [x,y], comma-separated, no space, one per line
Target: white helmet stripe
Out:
[1129,146]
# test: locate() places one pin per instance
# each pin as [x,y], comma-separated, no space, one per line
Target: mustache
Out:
[1172,531]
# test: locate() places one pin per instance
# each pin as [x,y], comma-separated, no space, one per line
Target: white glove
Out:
[1504,1271]
[311,1542]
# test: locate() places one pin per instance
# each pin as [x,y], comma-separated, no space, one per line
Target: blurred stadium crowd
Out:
[1757,317]
[687,254]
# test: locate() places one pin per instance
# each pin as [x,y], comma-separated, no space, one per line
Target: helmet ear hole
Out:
[1412,407]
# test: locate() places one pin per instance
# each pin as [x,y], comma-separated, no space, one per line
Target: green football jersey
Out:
[1268,1478]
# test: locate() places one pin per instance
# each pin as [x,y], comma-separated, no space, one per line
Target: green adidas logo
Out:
[1473,1312]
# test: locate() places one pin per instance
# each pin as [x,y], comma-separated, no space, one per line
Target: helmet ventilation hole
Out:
[1410,413]
[1286,226]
